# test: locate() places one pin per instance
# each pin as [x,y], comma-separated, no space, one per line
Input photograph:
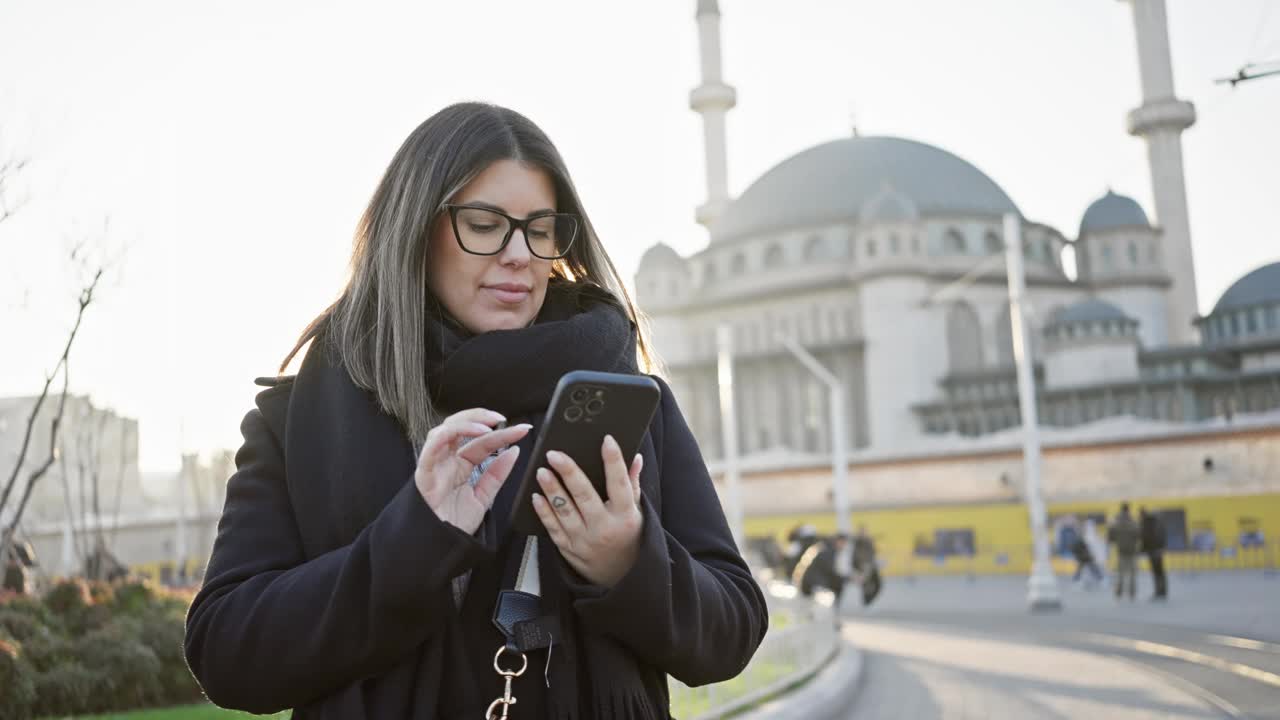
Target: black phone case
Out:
[585,407]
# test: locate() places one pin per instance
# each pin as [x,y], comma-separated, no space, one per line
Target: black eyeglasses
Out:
[486,231]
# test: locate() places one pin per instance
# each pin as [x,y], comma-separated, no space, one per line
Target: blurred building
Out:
[96,447]
[847,247]
[855,247]
[163,527]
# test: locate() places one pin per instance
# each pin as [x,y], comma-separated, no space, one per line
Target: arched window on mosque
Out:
[1108,262]
[915,244]
[953,243]
[871,247]
[738,264]
[964,338]
[1004,337]
[993,244]
[894,244]
[813,249]
[773,257]
[708,273]
[1133,253]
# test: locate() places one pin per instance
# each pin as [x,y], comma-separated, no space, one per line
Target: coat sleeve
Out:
[271,629]
[689,606]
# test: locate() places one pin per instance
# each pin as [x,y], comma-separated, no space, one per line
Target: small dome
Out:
[660,256]
[832,182]
[1090,310]
[1113,211]
[1260,287]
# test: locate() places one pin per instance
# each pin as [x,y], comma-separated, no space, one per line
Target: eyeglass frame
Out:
[513,225]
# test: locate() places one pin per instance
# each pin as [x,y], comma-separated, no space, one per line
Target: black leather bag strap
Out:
[517,613]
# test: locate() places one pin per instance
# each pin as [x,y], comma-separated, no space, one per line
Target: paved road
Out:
[951,648]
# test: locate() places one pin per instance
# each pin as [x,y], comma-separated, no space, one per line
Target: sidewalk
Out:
[1243,603]
[925,674]
[827,695]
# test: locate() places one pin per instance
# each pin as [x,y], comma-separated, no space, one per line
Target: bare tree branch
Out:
[9,169]
[86,299]
[39,472]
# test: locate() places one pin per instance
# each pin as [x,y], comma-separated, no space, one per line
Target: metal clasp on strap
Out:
[507,699]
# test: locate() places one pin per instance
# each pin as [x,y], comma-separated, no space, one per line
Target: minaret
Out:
[1160,120]
[713,98]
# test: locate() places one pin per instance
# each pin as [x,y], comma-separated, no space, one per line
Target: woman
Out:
[364,539]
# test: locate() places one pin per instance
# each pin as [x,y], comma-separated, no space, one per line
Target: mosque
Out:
[884,257]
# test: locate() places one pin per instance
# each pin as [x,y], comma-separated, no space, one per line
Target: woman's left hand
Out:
[599,539]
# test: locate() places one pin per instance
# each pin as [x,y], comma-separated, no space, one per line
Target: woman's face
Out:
[493,292]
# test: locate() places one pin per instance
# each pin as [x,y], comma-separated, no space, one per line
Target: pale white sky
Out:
[234,144]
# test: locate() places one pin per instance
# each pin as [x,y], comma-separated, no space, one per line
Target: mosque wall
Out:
[905,355]
[1212,463]
[1099,360]
[1148,305]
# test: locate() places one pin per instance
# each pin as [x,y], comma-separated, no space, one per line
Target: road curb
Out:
[828,693]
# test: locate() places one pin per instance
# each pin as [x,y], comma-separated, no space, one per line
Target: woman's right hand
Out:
[453,449]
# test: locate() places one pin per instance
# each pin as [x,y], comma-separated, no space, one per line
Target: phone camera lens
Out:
[579,395]
[595,406]
[573,413]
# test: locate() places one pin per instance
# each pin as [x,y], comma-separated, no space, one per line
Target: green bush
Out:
[88,619]
[68,689]
[164,635]
[134,596]
[93,647]
[46,651]
[17,687]
[20,626]
[134,677]
[32,607]
[101,592]
[68,598]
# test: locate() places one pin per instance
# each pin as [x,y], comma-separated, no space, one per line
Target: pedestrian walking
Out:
[843,564]
[1153,543]
[1126,536]
[1085,561]
[366,565]
[866,571]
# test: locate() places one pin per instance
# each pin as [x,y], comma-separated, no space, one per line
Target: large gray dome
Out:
[1088,310]
[1260,287]
[831,182]
[1113,211]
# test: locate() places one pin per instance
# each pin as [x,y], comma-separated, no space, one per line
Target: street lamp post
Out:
[839,432]
[729,430]
[1042,587]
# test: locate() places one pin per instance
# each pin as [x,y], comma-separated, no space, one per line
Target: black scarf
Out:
[515,372]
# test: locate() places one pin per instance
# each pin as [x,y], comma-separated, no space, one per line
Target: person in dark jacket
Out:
[366,537]
[1153,541]
[1084,561]
[866,571]
[1125,535]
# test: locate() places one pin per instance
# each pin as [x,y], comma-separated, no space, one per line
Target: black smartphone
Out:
[585,407]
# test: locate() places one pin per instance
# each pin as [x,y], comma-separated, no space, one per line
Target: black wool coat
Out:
[329,585]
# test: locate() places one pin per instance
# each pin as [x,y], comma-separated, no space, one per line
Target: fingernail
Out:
[499,415]
[639,460]
[543,475]
[555,456]
[611,442]
[526,426]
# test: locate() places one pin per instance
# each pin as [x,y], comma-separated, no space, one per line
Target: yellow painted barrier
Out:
[1206,533]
